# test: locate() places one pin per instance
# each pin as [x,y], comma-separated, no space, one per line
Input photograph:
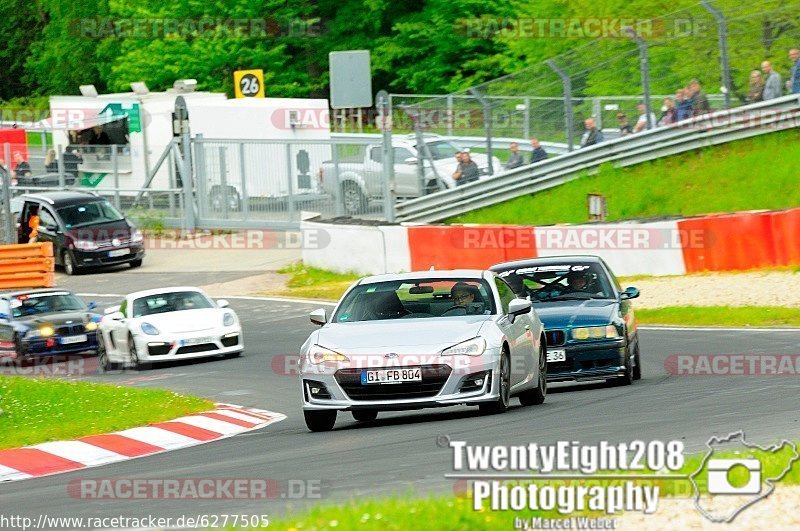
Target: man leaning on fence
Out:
[515,160]
[772,85]
[538,152]
[467,171]
[592,135]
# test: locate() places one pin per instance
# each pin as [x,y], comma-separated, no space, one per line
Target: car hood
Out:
[185,321]
[400,335]
[56,319]
[565,314]
[103,232]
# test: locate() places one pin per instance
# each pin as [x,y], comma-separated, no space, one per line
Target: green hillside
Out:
[759,173]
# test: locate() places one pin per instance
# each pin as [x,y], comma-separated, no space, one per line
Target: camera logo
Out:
[735,474]
[720,471]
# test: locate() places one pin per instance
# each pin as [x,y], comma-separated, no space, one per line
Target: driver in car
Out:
[463,297]
[578,282]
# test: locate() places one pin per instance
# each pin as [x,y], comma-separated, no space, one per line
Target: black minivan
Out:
[86,230]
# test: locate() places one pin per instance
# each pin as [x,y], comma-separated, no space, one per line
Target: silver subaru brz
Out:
[419,340]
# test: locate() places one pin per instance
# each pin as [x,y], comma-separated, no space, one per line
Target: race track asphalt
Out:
[398,453]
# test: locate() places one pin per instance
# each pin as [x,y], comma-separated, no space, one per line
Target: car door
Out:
[119,330]
[23,229]
[406,178]
[519,335]
[49,229]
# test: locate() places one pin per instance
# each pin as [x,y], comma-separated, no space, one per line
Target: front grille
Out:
[193,349]
[70,330]
[230,341]
[158,350]
[107,243]
[433,378]
[599,364]
[559,366]
[555,338]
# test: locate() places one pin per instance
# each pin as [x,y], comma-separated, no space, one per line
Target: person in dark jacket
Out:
[700,103]
[467,171]
[625,128]
[683,104]
[538,152]
[515,160]
[592,135]
[755,91]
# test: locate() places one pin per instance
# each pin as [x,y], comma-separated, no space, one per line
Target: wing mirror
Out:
[51,227]
[222,303]
[92,305]
[116,316]
[629,293]
[319,316]
[111,309]
[411,161]
[518,307]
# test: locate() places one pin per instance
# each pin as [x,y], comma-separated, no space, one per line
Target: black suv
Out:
[86,230]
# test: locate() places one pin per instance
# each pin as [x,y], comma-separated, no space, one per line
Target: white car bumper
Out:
[190,345]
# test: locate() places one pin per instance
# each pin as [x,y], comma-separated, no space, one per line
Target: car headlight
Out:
[91,325]
[85,245]
[228,319]
[596,332]
[149,329]
[137,236]
[46,331]
[318,354]
[473,347]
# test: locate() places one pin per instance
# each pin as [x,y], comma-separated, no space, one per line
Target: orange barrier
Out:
[28,265]
[743,241]
[464,247]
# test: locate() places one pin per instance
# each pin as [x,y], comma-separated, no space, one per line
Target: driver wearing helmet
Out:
[578,282]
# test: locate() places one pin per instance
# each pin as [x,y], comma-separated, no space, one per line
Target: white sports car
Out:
[167,324]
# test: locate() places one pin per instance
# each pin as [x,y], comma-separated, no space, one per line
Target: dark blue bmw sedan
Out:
[588,318]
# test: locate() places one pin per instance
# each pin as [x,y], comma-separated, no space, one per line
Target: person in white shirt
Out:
[641,123]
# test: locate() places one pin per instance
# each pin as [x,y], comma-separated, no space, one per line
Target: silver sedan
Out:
[419,340]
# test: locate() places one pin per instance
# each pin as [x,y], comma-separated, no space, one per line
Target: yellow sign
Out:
[249,83]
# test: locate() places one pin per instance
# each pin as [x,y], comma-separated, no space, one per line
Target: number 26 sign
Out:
[249,83]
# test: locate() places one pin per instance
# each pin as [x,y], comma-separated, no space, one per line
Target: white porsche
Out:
[167,324]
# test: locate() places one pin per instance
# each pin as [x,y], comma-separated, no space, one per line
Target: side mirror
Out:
[116,316]
[111,309]
[222,303]
[3,316]
[411,161]
[629,293]
[518,307]
[92,305]
[319,317]
[52,227]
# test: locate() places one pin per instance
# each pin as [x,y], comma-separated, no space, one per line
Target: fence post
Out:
[186,180]
[450,116]
[568,118]
[337,185]
[597,112]
[290,199]
[171,183]
[644,64]
[487,122]
[722,31]
[245,205]
[115,166]
[60,161]
[10,222]
[387,155]
[202,178]
[223,181]
[526,128]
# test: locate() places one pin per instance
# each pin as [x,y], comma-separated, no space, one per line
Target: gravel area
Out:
[777,512]
[769,288]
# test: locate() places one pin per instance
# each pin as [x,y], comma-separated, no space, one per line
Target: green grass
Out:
[36,410]
[758,173]
[720,316]
[314,283]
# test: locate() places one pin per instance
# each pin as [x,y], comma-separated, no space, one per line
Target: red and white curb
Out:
[57,457]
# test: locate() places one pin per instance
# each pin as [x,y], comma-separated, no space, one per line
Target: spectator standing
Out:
[669,114]
[515,160]
[21,167]
[683,105]
[772,84]
[794,79]
[700,103]
[72,159]
[625,128]
[755,91]
[50,162]
[467,171]
[642,123]
[592,135]
[538,152]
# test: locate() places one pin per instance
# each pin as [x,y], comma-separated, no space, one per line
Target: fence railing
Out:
[701,131]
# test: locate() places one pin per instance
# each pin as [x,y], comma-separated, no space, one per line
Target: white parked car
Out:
[167,324]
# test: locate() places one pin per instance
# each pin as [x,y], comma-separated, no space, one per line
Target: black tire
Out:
[627,378]
[320,420]
[368,415]
[135,361]
[637,363]
[69,264]
[501,404]
[353,199]
[20,357]
[104,364]
[536,396]
[135,263]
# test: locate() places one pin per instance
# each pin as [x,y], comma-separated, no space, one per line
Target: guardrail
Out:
[701,131]
[28,265]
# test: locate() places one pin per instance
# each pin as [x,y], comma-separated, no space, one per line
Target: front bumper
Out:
[43,346]
[102,258]
[189,346]
[587,362]
[445,382]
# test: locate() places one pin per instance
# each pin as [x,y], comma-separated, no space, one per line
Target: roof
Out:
[546,260]
[156,291]
[443,274]
[64,197]
[32,291]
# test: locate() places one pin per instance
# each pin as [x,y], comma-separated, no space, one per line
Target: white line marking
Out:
[9,474]
[237,297]
[158,437]
[215,425]
[717,329]
[80,452]
[241,416]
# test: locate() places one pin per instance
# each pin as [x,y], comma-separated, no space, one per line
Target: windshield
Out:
[411,299]
[38,303]
[442,149]
[175,301]
[87,214]
[569,281]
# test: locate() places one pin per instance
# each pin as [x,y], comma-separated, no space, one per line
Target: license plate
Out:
[389,376]
[73,339]
[197,340]
[118,252]
[556,355]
